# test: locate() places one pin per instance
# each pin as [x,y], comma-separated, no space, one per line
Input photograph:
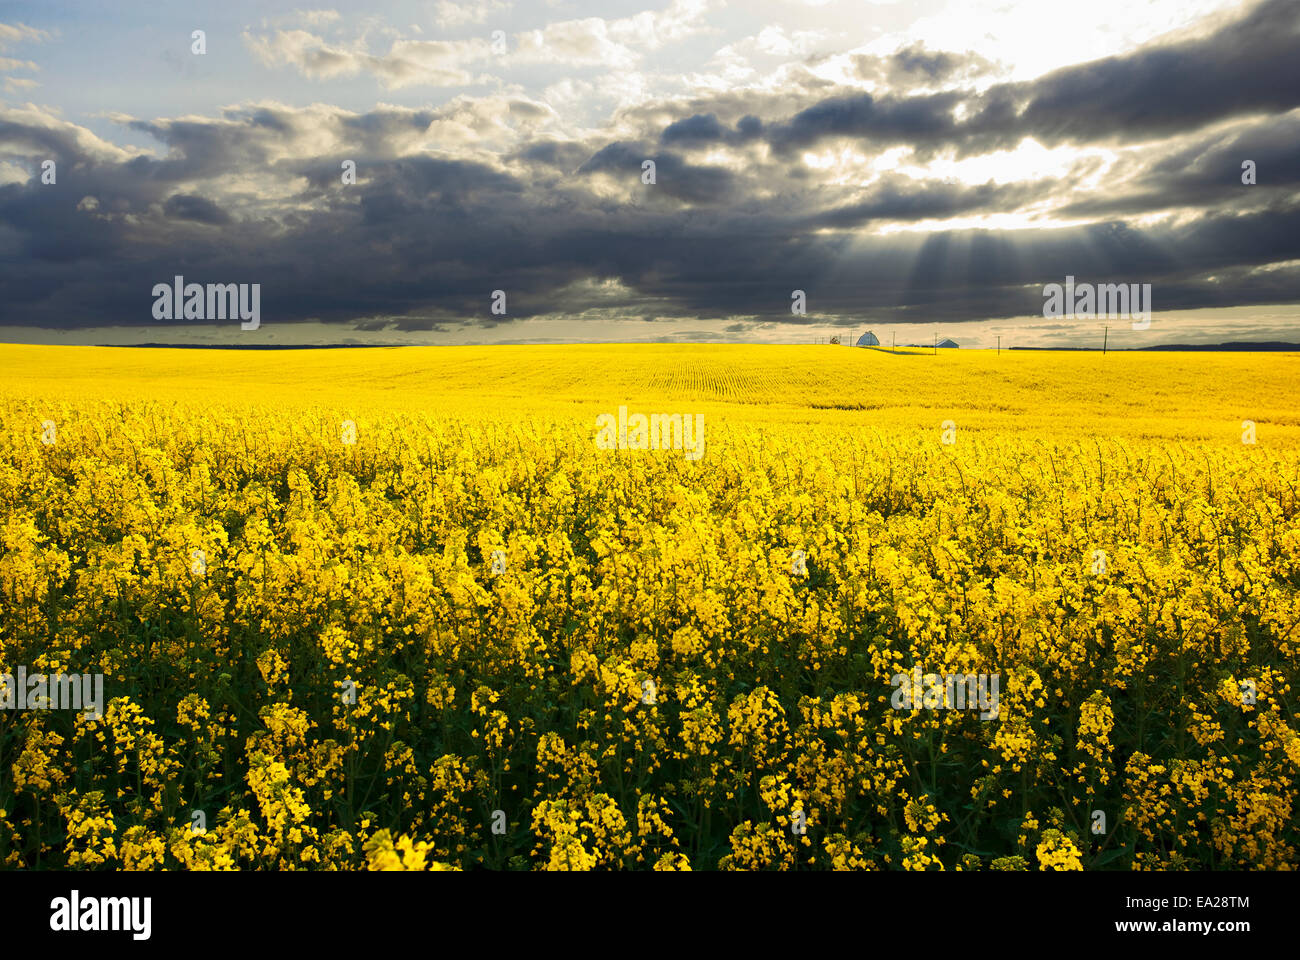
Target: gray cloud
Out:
[915,66]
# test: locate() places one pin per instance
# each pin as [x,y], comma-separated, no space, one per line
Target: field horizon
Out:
[1194,396]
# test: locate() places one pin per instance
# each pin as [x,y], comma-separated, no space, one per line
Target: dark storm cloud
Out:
[1209,170]
[555,153]
[25,139]
[673,176]
[1250,66]
[402,191]
[917,66]
[200,210]
[915,60]
[900,199]
[422,239]
[417,324]
[202,149]
[921,121]
[704,128]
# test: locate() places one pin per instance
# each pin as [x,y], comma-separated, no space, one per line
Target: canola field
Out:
[399,609]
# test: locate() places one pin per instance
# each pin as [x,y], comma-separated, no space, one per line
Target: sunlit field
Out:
[403,609]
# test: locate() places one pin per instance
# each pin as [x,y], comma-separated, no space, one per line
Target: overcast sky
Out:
[913,167]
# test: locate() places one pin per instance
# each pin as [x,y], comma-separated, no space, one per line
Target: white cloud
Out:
[317,18]
[12,33]
[450,15]
[1027,34]
[575,42]
[797,43]
[436,63]
[21,118]
[12,173]
[617,44]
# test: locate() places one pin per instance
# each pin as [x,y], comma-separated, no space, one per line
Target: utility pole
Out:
[893,343]
[936,344]
[999,345]
[1104,341]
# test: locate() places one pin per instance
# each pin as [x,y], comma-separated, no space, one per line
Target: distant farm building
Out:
[945,342]
[868,339]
